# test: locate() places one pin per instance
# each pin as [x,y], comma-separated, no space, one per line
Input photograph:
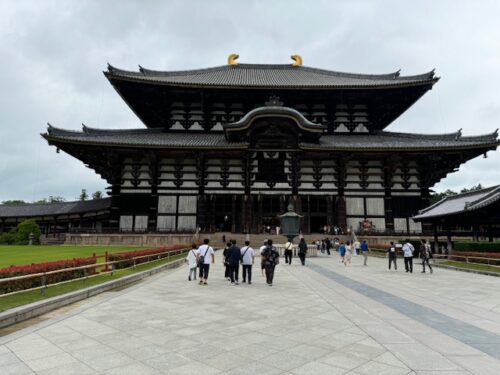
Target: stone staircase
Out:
[258,239]
[58,240]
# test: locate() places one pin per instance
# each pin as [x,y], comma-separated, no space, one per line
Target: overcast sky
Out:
[53,54]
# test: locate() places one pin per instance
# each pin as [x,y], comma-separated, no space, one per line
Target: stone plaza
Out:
[323,318]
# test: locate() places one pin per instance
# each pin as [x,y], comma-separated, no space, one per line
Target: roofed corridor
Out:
[320,319]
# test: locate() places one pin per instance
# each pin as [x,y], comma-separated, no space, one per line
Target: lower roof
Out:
[52,209]
[158,138]
[461,203]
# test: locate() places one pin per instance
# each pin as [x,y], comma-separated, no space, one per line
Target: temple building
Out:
[228,147]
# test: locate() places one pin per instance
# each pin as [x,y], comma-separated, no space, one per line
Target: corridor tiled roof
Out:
[51,209]
[270,75]
[461,203]
[381,140]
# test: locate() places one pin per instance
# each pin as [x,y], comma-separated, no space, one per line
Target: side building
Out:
[227,148]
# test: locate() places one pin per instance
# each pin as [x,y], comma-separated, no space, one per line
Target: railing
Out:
[312,250]
[107,266]
[493,262]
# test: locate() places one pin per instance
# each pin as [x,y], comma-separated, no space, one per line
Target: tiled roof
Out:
[270,75]
[355,141]
[461,203]
[51,209]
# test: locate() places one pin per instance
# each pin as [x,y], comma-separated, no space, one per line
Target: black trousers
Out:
[395,264]
[226,272]
[247,272]
[426,260]
[328,250]
[288,256]
[233,272]
[409,264]
[204,271]
[269,273]
[302,257]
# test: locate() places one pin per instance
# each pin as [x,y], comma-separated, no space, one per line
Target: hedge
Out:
[33,282]
[490,247]
[155,254]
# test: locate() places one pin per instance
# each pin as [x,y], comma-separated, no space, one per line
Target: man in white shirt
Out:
[262,265]
[408,250]
[288,252]
[205,255]
[247,260]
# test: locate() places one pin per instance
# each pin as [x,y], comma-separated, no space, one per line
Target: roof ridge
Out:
[51,203]
[90,130]
[455,135]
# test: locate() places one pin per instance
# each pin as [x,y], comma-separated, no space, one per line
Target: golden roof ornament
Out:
[297,60]
[231,59]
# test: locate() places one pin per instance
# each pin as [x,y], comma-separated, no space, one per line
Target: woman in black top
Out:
[302,251]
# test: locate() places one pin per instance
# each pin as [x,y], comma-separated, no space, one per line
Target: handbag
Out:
[242,255]
[201,259]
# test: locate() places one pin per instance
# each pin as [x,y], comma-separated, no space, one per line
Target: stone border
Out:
[32,310]
[479,272]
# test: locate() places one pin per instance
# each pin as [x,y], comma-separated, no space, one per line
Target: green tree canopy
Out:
[83,195]
[97,195]
[24,229]
[14,201]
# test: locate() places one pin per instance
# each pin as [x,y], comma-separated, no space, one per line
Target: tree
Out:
[51,199]
[97,195]
[24,229]
[83,195]
[14,202]
[474,188]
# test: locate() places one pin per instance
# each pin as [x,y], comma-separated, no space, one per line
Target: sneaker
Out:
[249,283]
[201,282]
[243,281]
[237,283]
[431,270]
[189,278]
[205,283]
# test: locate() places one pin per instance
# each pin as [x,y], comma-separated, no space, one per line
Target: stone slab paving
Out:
[320,319]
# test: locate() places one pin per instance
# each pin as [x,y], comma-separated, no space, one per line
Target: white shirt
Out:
[191,258]
[208,254]
[289,246]
[262,248]
[247,255]
[408,250]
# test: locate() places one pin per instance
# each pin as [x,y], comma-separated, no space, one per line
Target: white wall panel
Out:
[166,223]
[375,206]
[378,222]
[400,224]
[126,222]
[187,204]
[355,206]
[141,223]
[167,204]
[186,223]
[415,227]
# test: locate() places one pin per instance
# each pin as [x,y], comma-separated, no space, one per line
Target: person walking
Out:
[328,246]
[191,261]
[347,255]
[233,259]
[247,261]
[302,251]
[364,251]
[288,252]
[355,248]
[225,262]
[205,255]
[271,259]
[342,251]
[408,250]
[391,254]
[425,254]
[262,262]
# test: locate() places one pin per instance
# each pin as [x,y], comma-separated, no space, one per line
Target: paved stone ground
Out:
[320,319]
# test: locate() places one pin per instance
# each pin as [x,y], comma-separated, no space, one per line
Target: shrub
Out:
[32,282]
[24,229]
[477,246]
[7,238]
[154,254]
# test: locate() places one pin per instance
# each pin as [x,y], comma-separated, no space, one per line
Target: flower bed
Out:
[157,253]
[33,282]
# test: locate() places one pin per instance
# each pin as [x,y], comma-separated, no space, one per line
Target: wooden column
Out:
[154,175]
[233,213]
[259,218]
[436,239]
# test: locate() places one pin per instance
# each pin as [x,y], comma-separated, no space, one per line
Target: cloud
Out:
[53,53]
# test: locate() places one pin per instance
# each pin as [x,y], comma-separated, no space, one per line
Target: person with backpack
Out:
[425,254]
[191,261]
[271,259]
[342,252]
[391,254]
[247,260]
[233,259]
[408,251]
[302,251]
[262,260]
[205,255]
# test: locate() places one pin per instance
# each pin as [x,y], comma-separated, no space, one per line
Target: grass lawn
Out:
[24,298]
[17,255]
[471,266]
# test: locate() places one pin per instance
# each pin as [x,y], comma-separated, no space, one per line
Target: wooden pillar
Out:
[55,227]
[329,210]
[490,233]
[308,215]
[448,241]
[213,224]
[436,239]
[341,213]
[2,225]
[259,218]
[233,213]
[154,174]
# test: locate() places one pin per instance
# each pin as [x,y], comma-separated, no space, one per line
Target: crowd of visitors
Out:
[409,253]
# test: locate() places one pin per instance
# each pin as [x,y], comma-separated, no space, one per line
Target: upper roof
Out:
[379,141]
[461,203]
[270,76]
[51,209]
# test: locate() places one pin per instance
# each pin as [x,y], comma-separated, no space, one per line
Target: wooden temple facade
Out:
[227,148]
